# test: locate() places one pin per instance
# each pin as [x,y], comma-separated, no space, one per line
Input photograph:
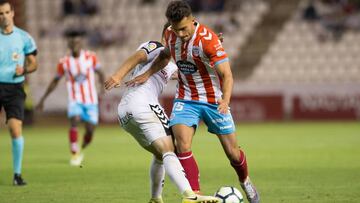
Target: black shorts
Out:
[12,98]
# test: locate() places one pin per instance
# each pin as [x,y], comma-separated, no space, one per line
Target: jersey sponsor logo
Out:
[80,78]
[196,50]
[186,67]
[220,53]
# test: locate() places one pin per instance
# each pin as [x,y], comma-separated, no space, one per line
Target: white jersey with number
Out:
[140,112]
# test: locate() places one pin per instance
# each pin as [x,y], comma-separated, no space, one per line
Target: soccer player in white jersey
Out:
[141,114]
[79,67]
[204,90]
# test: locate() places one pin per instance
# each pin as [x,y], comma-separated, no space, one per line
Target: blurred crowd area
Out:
[102,35]
[332,18]
[284,46]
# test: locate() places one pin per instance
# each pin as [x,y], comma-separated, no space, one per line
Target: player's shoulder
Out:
[89,53]
[205,33]
[64,59]
[150,46]
[21,32]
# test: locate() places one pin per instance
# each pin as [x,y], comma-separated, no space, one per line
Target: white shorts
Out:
[145,123]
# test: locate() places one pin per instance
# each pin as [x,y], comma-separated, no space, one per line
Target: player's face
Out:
[75,44]
[6,15]
[184,28]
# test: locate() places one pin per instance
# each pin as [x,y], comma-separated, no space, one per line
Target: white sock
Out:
[176,172]
[157,175]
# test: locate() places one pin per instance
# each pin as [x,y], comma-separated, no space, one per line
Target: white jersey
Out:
[140,112]
[149,91]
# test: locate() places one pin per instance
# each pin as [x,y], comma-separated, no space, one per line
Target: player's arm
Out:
[225,74]
[160,62]
[30,66]
[129,64]
[49,89]
[101,76]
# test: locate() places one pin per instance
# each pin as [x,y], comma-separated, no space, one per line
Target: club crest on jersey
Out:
[186,67]
[196,50]
[15,56]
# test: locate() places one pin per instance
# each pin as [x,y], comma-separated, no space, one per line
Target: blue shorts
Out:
[191,112]
[87,112]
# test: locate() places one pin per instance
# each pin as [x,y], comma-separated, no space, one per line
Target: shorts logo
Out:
[124,120]
[160,114]
[186,67]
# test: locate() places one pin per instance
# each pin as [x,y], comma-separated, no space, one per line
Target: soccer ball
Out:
[228,194]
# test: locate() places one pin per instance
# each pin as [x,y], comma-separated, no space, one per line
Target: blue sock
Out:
[17,151]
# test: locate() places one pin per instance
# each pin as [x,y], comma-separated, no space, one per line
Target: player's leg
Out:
[15,128]
[13,103]
[183,124]
[91,118]
[175,171]
[223,126]
[238,162]
[88,135]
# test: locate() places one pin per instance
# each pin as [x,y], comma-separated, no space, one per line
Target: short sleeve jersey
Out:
[80,76]
[196,60]
[14,47]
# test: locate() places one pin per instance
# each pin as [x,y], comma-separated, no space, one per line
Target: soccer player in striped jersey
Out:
[79,69]
[141,115]
[204,90]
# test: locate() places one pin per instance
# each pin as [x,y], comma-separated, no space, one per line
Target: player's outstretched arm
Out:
[129,64]
[49,89]
[225,73]
[160,62]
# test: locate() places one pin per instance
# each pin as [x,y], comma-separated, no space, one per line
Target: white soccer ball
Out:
[228,194]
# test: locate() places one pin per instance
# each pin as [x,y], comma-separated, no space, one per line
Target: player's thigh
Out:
[13,100]
[90,114]
[143,123]
[217,123]
[74,110]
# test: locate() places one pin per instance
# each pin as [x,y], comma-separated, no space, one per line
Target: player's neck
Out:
[75,54]
[7,29]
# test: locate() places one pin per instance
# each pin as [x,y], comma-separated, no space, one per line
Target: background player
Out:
[17,58]
[204,91]
[79,68]
[141,114]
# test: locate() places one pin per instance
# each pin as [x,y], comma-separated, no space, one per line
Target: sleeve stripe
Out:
[221,61]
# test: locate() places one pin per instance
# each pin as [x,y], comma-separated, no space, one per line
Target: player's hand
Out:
[111,82]
[223,106]
[19,71]
[141,79]
[39,106]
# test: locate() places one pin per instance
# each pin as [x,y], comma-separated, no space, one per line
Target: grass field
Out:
[289,162]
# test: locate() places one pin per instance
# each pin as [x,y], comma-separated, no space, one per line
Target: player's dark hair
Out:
[74,33]
[3,2]
[177,10]
[166,25]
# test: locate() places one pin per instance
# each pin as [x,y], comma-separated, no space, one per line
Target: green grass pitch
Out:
[289,163]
